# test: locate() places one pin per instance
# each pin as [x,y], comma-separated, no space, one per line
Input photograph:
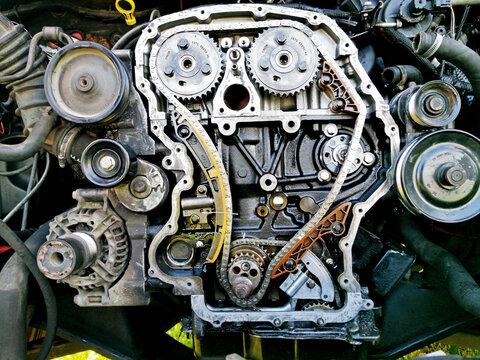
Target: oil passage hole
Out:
[236,97]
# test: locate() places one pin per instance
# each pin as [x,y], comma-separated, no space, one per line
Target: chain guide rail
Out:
[210,159]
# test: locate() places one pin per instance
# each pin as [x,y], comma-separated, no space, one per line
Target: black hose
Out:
[397,38]
[128,36]
[460,55]
[13,295]
[22,69]
[461,285]
[334,13]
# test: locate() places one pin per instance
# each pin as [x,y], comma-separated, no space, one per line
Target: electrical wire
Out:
[32,192]
[16,171]
[462,22]
[31,182]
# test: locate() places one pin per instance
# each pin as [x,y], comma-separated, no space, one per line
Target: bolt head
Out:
[337,228]
[183,44]
[168,71]
[290,265]
[245,266]
[302,66]
[281,38]
[139,185]
[278,200]
[264,65]
[195,219]
[107,163]
[435,105]
[206,69]
[276,322]
[324,175]
[369,158]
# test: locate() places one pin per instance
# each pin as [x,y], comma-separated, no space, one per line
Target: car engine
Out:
[282,179]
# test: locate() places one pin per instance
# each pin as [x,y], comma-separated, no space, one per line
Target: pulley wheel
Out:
[86,83]
[438,176]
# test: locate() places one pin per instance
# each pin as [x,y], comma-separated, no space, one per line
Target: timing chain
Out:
[223,176]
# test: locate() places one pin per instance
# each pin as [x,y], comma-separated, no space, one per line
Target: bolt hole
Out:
[57,259]
[284,59]
[253,272]
[252,108]
[168,162]
[291,124]
[236,270]
[226,127]
[345,281]
[187,63]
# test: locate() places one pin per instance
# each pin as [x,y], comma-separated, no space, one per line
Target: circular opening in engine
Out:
[57,258]
[236,97]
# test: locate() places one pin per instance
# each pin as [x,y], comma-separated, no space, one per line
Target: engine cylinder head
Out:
[438,176]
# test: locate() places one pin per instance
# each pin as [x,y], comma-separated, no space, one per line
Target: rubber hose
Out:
[467,60]
[13,295]
[461,285]
[29,93]
[397,38]
[334,13]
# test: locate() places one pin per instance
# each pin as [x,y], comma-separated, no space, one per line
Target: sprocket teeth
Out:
[317,305]
[269,90]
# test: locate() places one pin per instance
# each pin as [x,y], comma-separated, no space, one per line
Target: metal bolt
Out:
[331,130]
[199,244]
[168,71]
[242,172]
[435,105]
[277,322]
[369,158]
[139,185]
[264,65]
[339,104]
[452,176]
[310,284]
[184,131]
[183,44]
[245,266]
[195,219]
[320,322]
[324,175]
[244,42]
[278,201]
[327,79]
[337,228]
[202,189]
[206,69]
[302,66]
[330,261]
[107,163]
[290,265]
[281,38]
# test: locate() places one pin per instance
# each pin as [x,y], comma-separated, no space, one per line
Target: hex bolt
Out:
[245,266]
[434,105]
[324,175]
[202,189]
[169,71]
[206,69]
[184,131]
[369,158]
[311,284]
[330,130]
[337,228]
[281,38]
[199,244]
[183,44]
[338,104]
[320,322]
[302,66]
[278,201]
[107,163]
[330,261]
[139,185]
[264,65]
[195,219]
[290,265]
[277,322]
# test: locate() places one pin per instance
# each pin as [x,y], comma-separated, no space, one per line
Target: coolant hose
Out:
[13,295]
[460,284]
[22,70]
[453,51]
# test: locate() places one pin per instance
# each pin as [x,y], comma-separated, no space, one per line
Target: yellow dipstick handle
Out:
[129,18]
